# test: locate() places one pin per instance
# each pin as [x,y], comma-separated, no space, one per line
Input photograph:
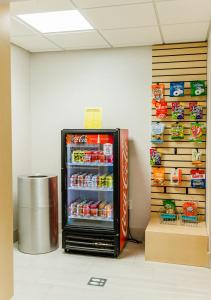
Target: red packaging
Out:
[106,138]
[86,209]
[101,157]
[157,93]
[95,156]
[94,210]
[190,208]
[161,109]
[68,139]
[87,156]
[93,139]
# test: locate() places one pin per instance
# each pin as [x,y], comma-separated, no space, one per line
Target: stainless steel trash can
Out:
[37,214]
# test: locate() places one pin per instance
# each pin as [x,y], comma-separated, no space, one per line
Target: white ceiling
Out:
[116,23]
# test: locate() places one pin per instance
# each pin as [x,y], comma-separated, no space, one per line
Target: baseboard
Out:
[15,235]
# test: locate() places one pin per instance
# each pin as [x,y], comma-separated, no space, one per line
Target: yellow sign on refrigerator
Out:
[93,118]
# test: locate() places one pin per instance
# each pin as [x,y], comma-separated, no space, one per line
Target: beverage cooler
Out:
[94,190]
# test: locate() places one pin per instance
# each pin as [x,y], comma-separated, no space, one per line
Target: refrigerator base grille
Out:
[90,243]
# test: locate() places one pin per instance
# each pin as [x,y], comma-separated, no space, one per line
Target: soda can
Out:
[88,180]
[108,149]
[95,179]
[73,208]
[109,181]
[108,211]
[80,208]
[95,156]
[102,181]
[74,180]
[86,209]
[101,209]
[101,157]
[87,156]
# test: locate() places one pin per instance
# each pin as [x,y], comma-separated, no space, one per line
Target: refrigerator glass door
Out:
[90,180]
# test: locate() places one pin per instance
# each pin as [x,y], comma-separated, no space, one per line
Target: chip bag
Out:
[177,111]
[196,132]
[158,176]
[157,93]
[198,88]
[177,131]
[157,132]
[196,111]
[155,157]
[169,206]
[196,157]
[177,89]
[161,109]
[190,208]
[198,179]
[176,176]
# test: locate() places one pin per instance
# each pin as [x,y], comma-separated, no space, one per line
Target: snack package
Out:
[196,132]
[177,131]
[190,208]
[198,88]
[177,111]
[169,206]
[158,176]
[157,132]
[155,157]
[176,176]
[196,157]
[198,179]
[177,89]
[196,111]
[161,109]
[157,93]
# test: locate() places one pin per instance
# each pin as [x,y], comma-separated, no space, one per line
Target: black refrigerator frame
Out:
[88,239]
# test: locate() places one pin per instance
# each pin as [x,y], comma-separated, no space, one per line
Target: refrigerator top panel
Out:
[90,179]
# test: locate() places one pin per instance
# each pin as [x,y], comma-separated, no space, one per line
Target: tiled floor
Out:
[59,276]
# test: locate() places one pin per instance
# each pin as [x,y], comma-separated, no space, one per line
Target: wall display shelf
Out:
[184,62]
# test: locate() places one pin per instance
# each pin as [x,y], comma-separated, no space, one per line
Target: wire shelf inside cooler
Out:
[90,218]
[76,146]
[92,164]
[81,188]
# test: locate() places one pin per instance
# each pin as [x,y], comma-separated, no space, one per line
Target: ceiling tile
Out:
[78,40]
[34,6]
[125,16]
[133,36]
[19,29]
[189,32]
[34,43]
[182,11]
[101,3]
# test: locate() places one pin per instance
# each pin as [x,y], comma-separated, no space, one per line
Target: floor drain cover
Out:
[97,281]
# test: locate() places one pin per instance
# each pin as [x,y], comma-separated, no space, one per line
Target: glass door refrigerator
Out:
[94,190]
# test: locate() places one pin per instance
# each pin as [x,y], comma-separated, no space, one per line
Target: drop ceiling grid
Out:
[117,23]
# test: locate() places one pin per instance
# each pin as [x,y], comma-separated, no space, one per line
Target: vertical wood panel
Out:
[6,228]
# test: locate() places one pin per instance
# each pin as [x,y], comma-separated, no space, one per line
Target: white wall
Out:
[118,80]
[208,156]
[21,131]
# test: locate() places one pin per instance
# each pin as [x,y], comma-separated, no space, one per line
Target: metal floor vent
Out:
[97,281]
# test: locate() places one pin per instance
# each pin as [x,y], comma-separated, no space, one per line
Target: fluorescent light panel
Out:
[57,21]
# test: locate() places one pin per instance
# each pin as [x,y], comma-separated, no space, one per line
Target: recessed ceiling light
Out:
[56,21]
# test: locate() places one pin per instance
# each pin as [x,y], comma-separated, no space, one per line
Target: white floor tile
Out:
[60,276]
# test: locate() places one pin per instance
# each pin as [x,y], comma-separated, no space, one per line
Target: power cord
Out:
[130,237]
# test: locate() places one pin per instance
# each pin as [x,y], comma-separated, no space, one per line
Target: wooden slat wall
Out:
[179,62]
